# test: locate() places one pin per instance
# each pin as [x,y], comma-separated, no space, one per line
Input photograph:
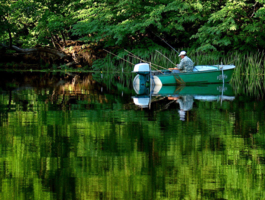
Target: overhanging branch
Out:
[38,49]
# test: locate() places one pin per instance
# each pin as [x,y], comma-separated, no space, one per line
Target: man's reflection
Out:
[185,104]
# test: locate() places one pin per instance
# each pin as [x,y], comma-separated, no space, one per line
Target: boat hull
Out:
[191,78]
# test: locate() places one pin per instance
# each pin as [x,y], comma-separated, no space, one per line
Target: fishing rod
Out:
[231,62]
[134,56]
[168,104]
[166,58]
[130,62]
[166,43]
[118,57]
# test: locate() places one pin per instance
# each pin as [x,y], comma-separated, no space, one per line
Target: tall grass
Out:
[246,63]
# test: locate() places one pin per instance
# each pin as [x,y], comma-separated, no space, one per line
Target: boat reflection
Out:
[184,96]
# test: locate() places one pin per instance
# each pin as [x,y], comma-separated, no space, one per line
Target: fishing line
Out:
[165,42]
[134,56]
[118,56]
[166,58]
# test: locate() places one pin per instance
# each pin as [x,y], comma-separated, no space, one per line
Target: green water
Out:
[84,138]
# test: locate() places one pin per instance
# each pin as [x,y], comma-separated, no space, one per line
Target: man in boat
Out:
[185,65]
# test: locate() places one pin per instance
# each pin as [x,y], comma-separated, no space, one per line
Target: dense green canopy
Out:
[198,24]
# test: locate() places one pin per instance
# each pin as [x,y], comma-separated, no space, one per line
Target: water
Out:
[83,137]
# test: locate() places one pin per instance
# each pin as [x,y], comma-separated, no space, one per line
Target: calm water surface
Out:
[84,137]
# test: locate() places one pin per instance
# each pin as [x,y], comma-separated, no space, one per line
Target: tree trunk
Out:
[53,41]
[58,41]
[63,38]
[39,49]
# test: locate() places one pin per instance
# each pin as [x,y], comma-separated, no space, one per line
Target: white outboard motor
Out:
[142,68]
[143,75]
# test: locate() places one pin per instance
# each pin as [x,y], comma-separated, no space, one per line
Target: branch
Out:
[68,64]
[38,49]
[254,10]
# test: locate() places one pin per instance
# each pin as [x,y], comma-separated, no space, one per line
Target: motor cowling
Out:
[142,68]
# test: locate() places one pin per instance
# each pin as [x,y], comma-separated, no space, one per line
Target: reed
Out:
[242,60]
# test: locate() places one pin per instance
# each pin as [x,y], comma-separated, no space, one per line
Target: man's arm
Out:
[175,68]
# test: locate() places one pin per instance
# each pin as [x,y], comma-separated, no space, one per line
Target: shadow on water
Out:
[81,136]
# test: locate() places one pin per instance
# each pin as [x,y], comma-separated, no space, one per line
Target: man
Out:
[185,65]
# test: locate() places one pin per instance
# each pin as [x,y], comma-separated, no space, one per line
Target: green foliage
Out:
[126,22]
[200,25]
[131,22]
[237,25]
[34,22]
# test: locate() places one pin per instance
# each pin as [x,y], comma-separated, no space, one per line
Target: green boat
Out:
[203,74]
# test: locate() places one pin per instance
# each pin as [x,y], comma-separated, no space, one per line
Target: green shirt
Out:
[186,64]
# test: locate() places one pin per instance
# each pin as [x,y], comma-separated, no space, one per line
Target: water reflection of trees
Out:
[57,89]
[114,151]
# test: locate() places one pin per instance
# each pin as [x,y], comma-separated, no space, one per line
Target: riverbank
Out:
[66,55]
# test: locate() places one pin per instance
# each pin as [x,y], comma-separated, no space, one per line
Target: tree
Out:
[237,25]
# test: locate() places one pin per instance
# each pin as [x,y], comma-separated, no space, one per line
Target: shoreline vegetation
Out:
[249,71]
[248,77]
[72,34]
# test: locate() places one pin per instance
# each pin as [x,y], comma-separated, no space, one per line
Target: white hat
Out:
[182,53]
